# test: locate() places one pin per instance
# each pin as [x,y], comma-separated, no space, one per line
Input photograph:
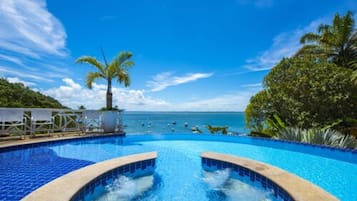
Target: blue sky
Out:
[189,55]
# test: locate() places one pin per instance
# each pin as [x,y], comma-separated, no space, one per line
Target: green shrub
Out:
[291,134]
[328,137]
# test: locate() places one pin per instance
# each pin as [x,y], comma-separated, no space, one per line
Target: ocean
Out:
[181,122]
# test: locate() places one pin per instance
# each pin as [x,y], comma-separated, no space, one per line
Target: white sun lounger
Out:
[12,120]
[41,121]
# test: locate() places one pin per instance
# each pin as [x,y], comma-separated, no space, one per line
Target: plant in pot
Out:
[117,69]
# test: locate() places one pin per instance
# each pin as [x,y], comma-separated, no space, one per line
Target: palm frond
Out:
[123,77]
[323,28]
[128,64]
[354,77]
[122,58]
[354,38]
[120,66]
[92,61]
[337,42]
[309,38]
[348,21]
[333,124]
[348,141]
[91,76]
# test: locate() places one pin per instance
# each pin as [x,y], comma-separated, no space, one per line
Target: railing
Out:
[21,120]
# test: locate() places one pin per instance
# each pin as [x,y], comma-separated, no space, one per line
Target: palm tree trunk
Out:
[109,95]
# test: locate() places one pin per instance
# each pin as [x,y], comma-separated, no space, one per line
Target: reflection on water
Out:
[124,188]
[223,187]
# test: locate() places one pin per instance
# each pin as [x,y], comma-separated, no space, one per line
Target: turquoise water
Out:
[179,167]
[174,122]
[216,186]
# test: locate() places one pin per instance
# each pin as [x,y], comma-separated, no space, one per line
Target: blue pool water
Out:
[178,162]
[217,186]
[174,122]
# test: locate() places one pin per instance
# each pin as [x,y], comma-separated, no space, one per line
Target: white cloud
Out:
[284,45]
[163,80]
[30,34]
[33,74]
[28,28]
[253,85]
[72,84]
[23,74]
[11,59]
[17,80]
[73,95]
[57,70]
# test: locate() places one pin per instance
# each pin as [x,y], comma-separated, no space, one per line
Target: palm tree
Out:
[117,69]
[337,42]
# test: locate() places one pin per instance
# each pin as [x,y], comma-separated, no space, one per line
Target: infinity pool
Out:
[178,163]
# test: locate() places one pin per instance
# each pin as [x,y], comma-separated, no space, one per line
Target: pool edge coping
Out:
[66,186]
[32,141]
[298,188]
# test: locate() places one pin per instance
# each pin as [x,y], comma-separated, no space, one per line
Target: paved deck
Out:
[11,141]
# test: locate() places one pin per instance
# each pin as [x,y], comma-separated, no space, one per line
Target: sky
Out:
[189,55]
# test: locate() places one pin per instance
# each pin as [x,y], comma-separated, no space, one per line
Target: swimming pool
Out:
[23,170]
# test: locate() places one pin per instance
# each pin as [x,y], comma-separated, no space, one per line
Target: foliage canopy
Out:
[316,88]
[337,42]
[304,93]
[18,95]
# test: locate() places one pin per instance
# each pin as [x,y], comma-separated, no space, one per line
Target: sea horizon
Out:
[158,122]
[139,111]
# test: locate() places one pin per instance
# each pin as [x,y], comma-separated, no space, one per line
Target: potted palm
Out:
[118,70]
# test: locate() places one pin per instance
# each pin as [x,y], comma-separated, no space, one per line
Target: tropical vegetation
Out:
[216,129]
[118,69]
[328,137]
[337,42]
[18,95]
[314,91]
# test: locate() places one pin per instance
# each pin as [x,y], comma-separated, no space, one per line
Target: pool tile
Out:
[252,176]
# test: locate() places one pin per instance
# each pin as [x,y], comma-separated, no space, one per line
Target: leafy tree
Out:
[317,88]
[117,69]
[337,42]
[255,113]
[304,92]
[18,95]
